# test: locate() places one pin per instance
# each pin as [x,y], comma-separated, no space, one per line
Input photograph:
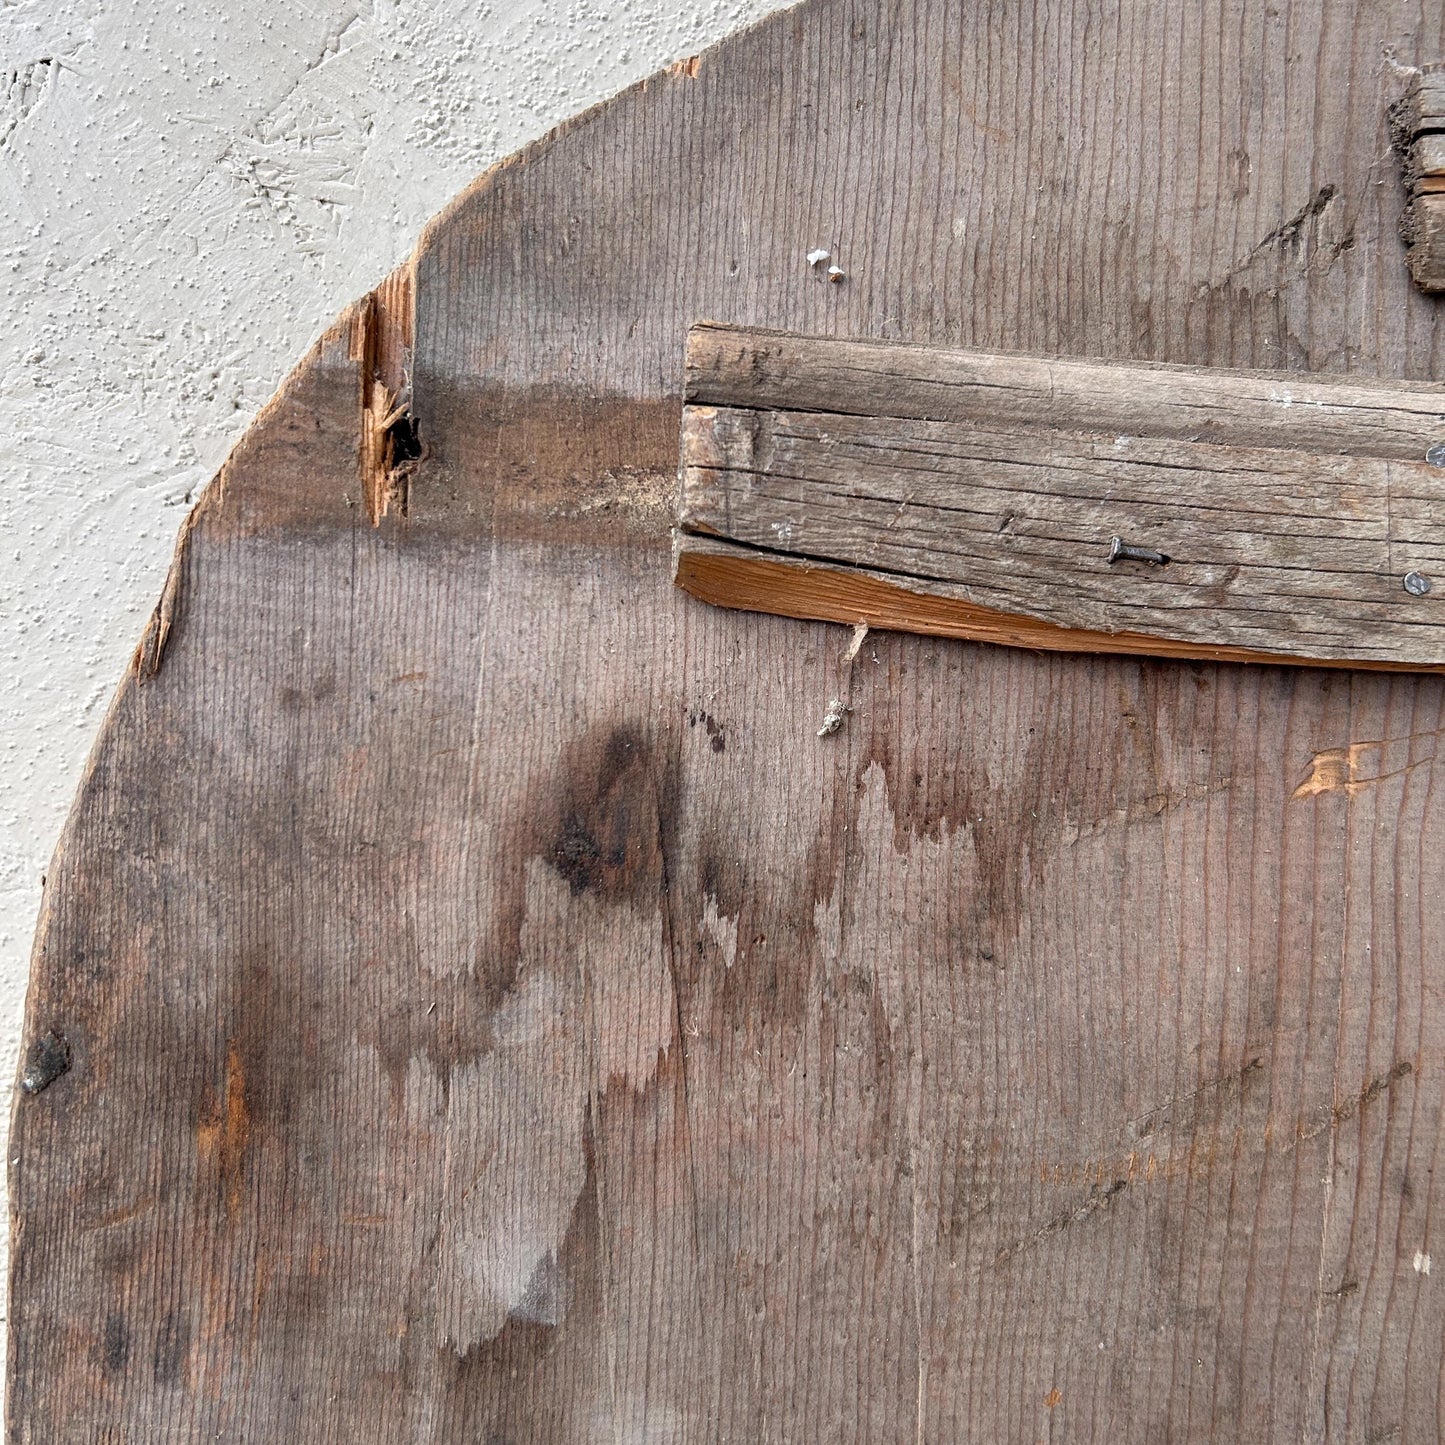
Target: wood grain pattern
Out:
[495,1014]
[1287,515]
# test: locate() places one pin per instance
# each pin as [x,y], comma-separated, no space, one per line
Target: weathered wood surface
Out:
[494,1014]
[1418,125]
[1287,514]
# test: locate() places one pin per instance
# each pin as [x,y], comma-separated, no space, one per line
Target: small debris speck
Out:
[816,258]
[833,718]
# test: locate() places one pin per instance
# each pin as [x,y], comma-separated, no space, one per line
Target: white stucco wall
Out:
[189,192]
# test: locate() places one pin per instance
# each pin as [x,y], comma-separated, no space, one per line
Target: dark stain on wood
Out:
[46,1060]
[115,1345]
[607,840]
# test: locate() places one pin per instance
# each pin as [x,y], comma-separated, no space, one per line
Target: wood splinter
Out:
[1067,505]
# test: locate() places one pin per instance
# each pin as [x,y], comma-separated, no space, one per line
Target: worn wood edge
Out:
[726,366]
[1417,132]
[1424,228]
[368,347]
[376,334]
[455,216]
[1421,107]
[727,574]
[379,320]
[705,332]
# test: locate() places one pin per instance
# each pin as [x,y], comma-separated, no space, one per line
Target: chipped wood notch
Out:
[1417,126]
[1065,505]
[389,448]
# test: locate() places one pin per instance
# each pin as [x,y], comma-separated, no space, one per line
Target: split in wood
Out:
[989,496]
[390,448]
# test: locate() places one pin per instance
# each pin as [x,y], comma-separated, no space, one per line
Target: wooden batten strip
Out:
[980,495]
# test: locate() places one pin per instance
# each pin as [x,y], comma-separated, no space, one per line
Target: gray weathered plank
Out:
[1289,512]
[1053,1050]
[1363,416]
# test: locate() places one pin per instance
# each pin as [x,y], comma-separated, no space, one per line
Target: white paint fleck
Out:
[1422,1262]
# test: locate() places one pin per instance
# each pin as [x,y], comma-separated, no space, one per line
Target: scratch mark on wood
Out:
[1343,770]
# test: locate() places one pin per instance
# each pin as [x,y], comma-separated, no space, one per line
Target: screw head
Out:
[1416,584]
[1436,455]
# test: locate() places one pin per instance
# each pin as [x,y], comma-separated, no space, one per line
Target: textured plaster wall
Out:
[189,192]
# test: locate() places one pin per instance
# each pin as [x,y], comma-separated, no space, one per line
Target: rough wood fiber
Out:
[493,1013]
[1286,513]
[1418,124]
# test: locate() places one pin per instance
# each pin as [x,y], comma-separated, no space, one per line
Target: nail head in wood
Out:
[1121,551]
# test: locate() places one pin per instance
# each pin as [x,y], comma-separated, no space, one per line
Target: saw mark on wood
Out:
[1206,1145]
[126,1214]
[1086,1208]
[1214,1091]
